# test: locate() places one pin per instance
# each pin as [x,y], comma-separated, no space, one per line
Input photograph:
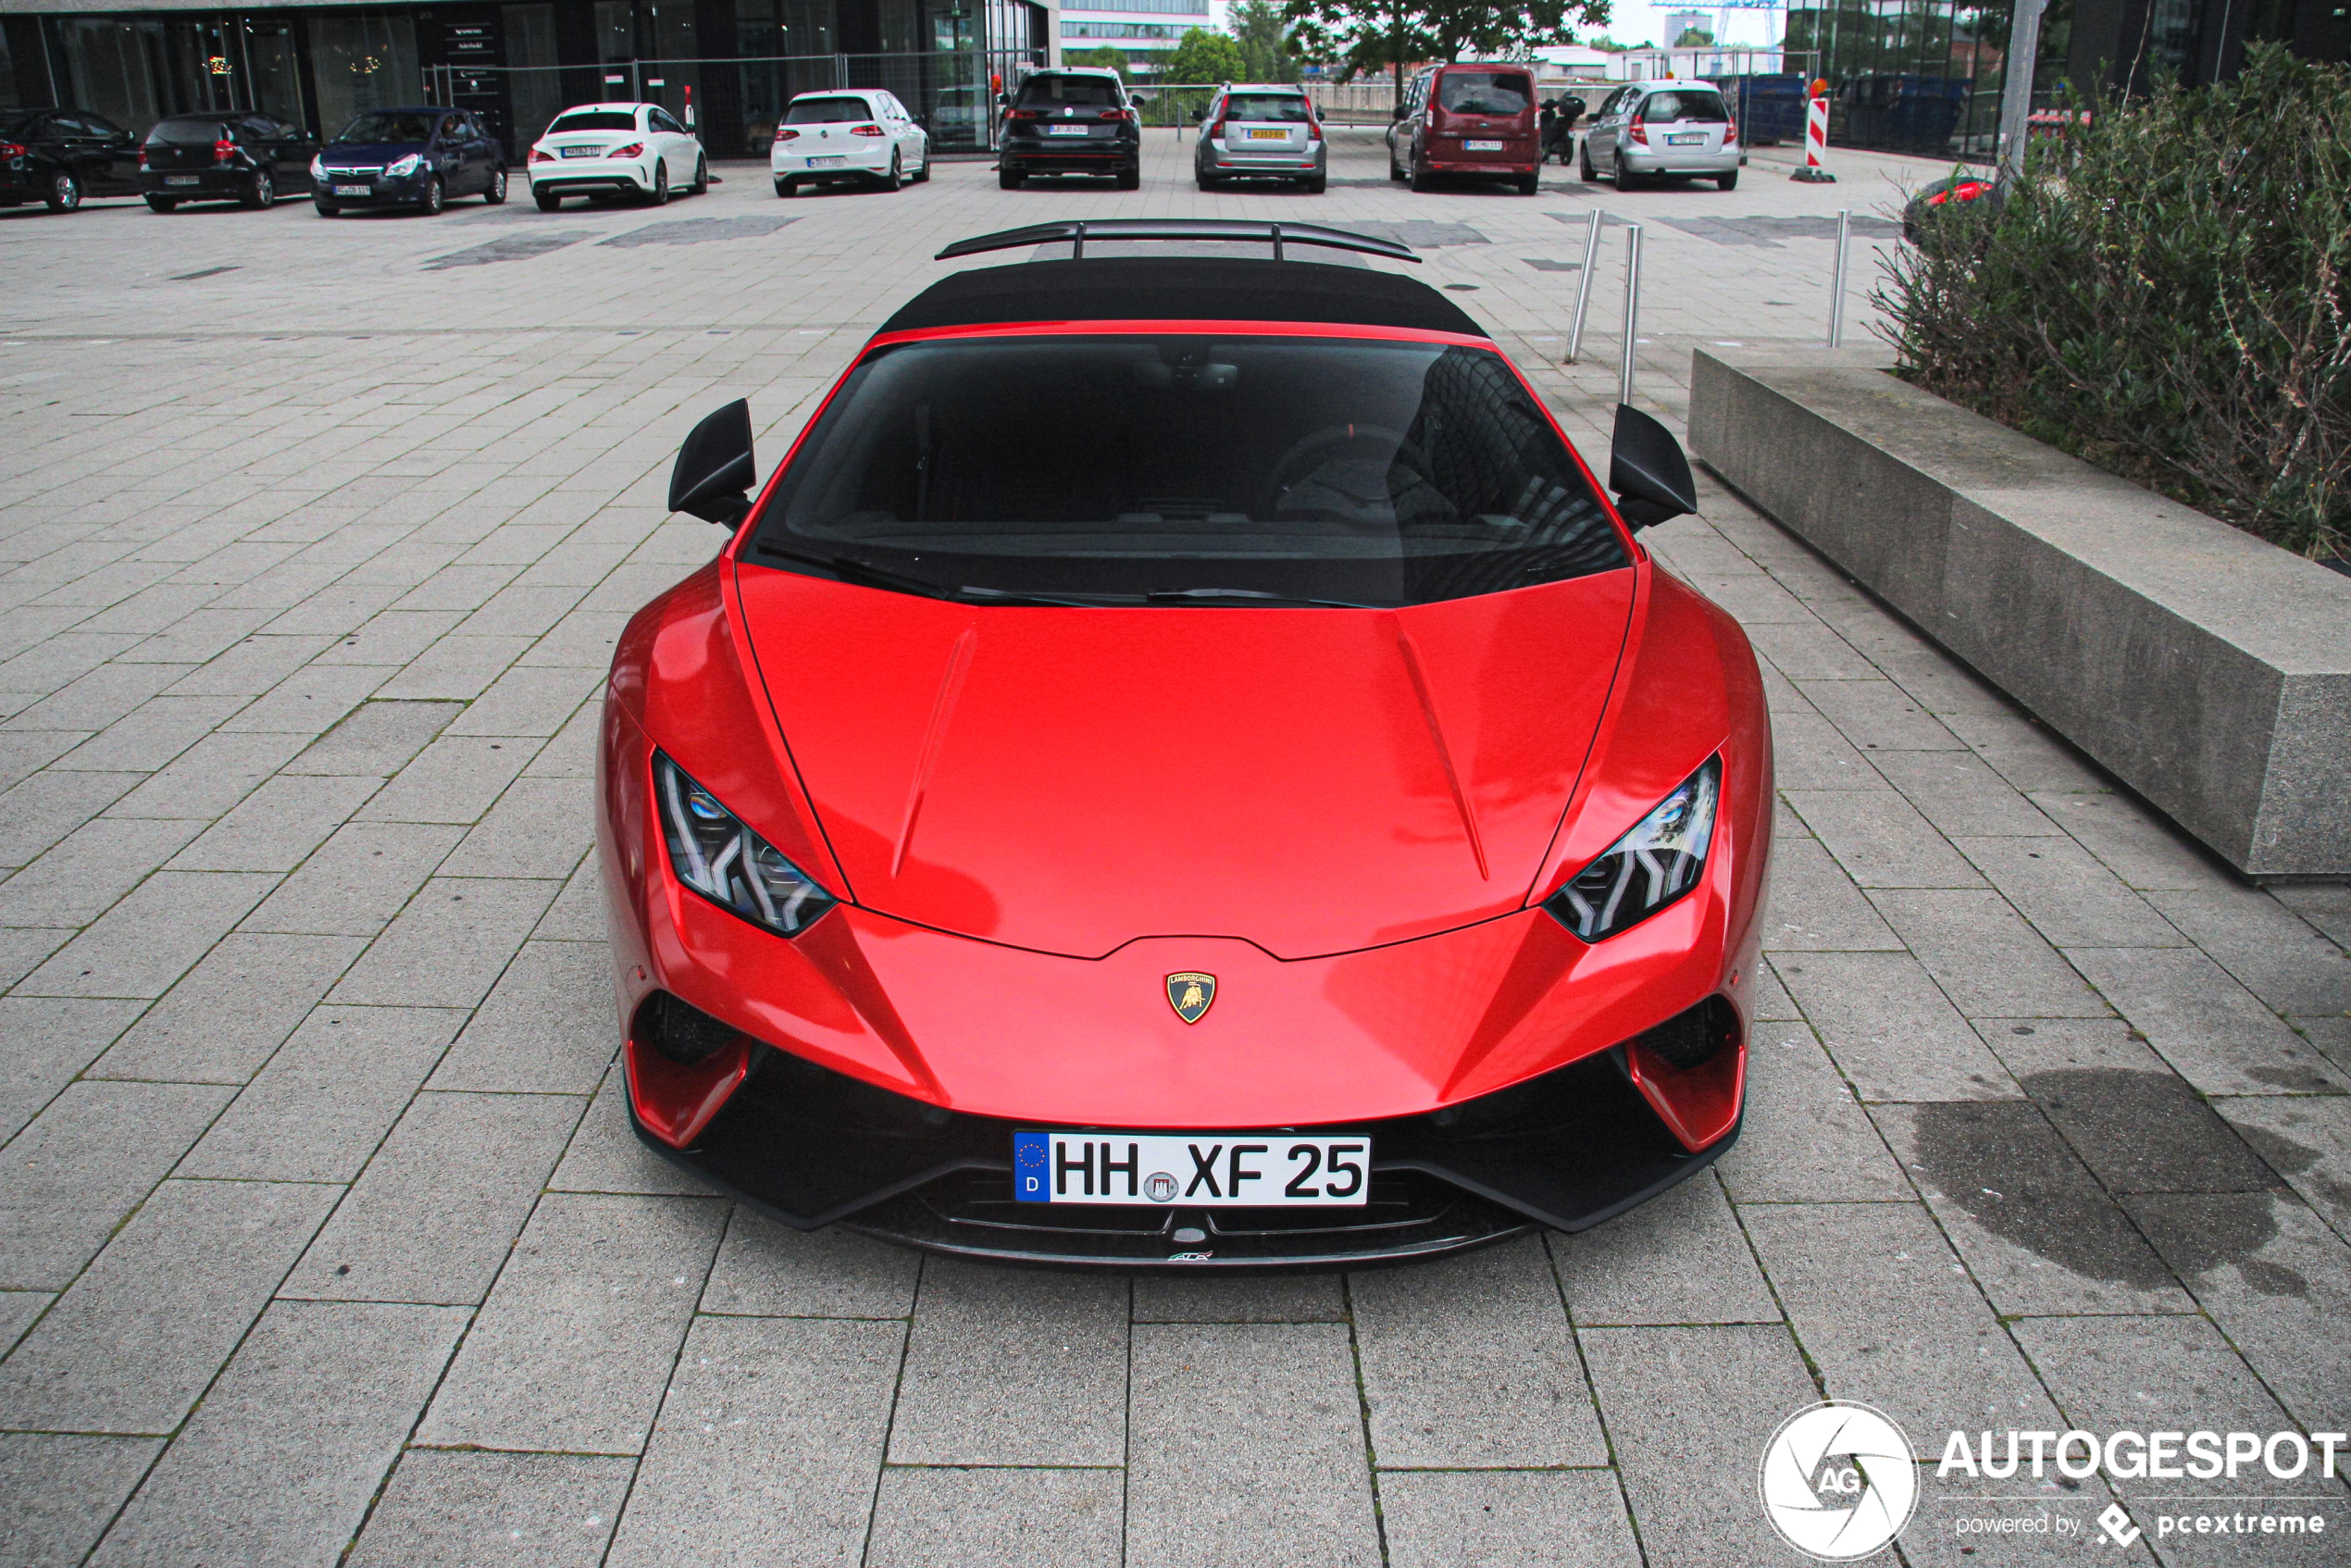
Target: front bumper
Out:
[870,1071]
[810,1146]
[342,189]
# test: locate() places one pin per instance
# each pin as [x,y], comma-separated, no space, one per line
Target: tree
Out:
[1368,36]
[1201,55]
[1101,59]
[1264,36]
[1694,38]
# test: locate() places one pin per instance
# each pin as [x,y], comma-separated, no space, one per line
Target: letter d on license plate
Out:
[1255,1170]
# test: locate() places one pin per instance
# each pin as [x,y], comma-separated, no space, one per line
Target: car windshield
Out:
[1704,107]
[1189,471]
[388,125]
[827,111]
[187,132]
[1480,92]
[1288,109]
[594,119]
[1052,92]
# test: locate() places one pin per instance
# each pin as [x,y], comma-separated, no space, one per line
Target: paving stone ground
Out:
[322,1236]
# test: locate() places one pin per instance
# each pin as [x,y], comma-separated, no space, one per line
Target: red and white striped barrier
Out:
[1816,139]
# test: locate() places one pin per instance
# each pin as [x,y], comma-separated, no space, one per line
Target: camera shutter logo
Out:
[1839,1481]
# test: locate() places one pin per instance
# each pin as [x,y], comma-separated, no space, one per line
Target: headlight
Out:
[318,166]
[1649,868]
[714,853]
[406,166]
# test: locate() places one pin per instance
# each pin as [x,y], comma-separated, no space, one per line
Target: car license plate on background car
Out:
[352,190]
[1065,131]
[1253,1170]
[1269,135]
[582,152]
[1685,140]
[1483,146]
[180,179]
[828,163]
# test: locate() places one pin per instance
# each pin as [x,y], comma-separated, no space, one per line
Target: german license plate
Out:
[180,180]
[1269,135]
[828,163]
[1483,146]
[582,152]
[1148,1169]
[1065,130]
[1685,140]
[353,191]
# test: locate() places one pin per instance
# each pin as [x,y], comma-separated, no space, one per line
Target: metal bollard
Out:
[1837,283]
[1632,308]
[1583,286]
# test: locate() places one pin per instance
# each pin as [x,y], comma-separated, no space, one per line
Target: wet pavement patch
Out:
[2289,1158]
[506,247]
[2147,1132]
[701,231]
[2199,1233]
[2002,1163]
[1545,264]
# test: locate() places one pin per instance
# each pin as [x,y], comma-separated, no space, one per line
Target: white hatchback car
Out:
[862,135]
[616,149]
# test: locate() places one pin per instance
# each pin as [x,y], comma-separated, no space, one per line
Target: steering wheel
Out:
[1317,447]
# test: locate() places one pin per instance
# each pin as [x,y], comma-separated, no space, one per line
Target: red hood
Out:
[1313,781]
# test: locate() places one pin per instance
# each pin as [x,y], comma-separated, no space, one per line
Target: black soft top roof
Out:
[1181,288]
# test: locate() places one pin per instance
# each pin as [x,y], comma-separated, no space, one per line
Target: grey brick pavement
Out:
[321,1233]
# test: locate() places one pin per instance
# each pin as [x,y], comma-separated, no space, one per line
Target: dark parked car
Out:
[61,156]
[245,158]
[1071,122]
[415,158]
[1467,119]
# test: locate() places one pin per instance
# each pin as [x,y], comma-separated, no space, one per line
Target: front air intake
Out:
[1691,1038]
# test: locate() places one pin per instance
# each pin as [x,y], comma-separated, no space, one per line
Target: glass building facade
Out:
[736,63]
[1926,76]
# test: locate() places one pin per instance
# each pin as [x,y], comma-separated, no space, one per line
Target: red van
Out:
[1475,120]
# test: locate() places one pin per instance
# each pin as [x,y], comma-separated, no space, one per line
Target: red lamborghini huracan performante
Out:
[1182,766]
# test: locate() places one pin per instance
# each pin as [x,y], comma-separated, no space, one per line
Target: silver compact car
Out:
[1260,132]
[1662,130]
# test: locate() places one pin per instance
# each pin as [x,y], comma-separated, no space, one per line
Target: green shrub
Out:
[2164,292]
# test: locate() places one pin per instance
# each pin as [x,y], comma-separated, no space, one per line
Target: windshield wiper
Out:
[1074,602]
[1165,594]
[851,570]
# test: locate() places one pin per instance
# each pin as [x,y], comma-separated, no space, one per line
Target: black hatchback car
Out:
[60,156]
[1071,121]
[413,157]
[245,158]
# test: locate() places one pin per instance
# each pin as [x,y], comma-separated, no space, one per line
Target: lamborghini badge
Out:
[1189,994]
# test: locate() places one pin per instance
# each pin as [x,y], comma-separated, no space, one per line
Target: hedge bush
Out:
[2164,292]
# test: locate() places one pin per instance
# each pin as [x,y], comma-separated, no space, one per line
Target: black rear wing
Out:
[1076,231]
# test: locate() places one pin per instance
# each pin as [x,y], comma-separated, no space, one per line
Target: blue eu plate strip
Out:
[1032,1167]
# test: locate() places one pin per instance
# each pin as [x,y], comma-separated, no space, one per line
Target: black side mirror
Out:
[1648,471]
[1399,112]
[1004,99]
[715,470]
